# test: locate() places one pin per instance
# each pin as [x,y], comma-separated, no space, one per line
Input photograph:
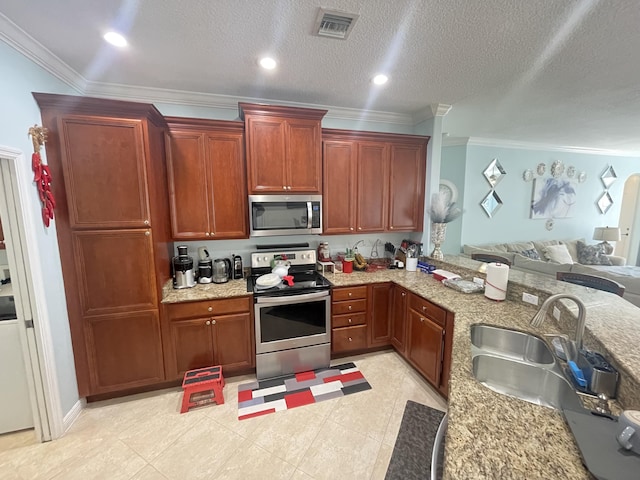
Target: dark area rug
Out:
[411,457]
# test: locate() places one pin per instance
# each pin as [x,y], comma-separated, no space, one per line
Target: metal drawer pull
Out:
[208,322]
[350,339]
[210,309]
[349,307]
[350,294]
[349,320]
[213,322]
[424,307]
[422,319]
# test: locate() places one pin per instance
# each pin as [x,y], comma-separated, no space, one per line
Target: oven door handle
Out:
[291,298]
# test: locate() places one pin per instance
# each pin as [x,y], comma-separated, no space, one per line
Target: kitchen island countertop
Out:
[491,435]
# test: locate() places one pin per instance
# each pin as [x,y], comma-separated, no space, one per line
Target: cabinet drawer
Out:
[208,308]
[349,293]
[428,309]
[348,320]
[349,338]
[353,306]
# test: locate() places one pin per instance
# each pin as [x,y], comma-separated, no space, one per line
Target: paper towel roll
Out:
[496,283]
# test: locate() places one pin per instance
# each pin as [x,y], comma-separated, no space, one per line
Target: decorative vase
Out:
[437,237]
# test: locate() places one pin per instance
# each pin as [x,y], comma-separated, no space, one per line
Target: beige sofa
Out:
[565,255]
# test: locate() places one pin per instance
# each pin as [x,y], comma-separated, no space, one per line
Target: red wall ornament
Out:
[41,174]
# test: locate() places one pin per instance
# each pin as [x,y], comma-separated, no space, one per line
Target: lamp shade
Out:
[607,234]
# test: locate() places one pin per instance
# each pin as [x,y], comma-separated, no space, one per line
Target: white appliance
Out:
[15,407]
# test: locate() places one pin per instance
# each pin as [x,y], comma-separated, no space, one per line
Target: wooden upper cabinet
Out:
[373,191]
[373,182]
[406,187]
[339,186]
[105,176]
[114,270]
[284,148]
[207,184]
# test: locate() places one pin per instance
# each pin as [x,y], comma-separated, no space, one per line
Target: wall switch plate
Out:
[532,299]
[479,281]
[556,313]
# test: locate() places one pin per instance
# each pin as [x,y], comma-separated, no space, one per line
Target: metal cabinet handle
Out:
[424,308]
[210,309]
[390,228]
[350,339]
[349,320]
[404,294]
[349,307]
[350,293]
[421,319]
[284,187]
[147,233]
[146,222]
[351,228]
[208,322]
[206,234]
[213,322]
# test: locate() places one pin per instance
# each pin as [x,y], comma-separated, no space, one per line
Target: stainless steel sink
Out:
[520,365]
[511,344]
[530,383]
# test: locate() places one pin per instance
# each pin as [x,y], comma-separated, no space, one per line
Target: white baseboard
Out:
[72,415]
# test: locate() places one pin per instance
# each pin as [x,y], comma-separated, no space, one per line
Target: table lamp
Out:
[607,234]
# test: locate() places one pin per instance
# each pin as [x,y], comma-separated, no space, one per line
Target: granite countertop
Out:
[204,291]
[491,435]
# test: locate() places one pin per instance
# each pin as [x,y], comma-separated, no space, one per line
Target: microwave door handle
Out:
[309,214]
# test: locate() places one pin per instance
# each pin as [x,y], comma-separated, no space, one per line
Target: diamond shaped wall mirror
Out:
[608,177]
[494,172]
[491,203]
[605,202]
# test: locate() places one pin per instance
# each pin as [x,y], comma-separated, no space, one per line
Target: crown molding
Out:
[494,142]
[440,109]
[22,42]
[228,102]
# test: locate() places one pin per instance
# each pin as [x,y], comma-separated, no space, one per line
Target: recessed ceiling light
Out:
[380,79]
[268,63]
[114,38]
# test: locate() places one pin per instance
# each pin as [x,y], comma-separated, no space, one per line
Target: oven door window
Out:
[286,322]
[279,215]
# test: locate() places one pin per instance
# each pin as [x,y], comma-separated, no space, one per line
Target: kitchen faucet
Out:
[539,317]
[355,247]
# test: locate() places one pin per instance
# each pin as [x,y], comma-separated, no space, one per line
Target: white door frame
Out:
[29,292]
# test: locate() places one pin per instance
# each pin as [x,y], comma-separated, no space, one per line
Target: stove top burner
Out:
[303,282]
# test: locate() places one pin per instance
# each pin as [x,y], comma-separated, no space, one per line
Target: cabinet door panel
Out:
[398,318]
[406,189]
[233,341]
[124,351]
[348,338]
[379,307]
[192,344]
[187,185]
[115,271]
[425,346]
[228,185]
[303,156]
[104,172]
[266,154]
[372,187]
[339,187]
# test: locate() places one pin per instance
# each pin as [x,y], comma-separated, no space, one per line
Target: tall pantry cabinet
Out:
[112,220]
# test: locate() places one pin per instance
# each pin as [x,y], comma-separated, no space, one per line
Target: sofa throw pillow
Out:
[592,254]
[532,253]
[557,254]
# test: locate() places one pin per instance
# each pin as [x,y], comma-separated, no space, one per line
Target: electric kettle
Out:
[221,270]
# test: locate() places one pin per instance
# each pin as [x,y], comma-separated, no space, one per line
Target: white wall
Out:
[19,112]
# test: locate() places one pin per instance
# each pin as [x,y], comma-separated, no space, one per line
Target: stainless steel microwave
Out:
[285,215]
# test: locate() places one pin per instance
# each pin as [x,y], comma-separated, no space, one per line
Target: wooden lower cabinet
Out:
[349,330]
[397,318]
[379,302]
[425,346]
[124,351]
[215,332]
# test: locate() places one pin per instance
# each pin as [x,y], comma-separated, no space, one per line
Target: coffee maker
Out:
[182,269]
[205,266]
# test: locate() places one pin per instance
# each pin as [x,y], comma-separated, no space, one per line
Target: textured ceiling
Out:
[556,72]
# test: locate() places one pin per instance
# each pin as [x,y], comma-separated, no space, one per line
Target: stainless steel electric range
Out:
[292,322]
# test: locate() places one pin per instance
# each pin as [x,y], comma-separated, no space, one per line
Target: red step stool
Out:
[202,386]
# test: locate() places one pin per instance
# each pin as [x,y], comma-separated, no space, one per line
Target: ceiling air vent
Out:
[334,24]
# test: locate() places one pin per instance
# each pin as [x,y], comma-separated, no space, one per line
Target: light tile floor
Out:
[144,437]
